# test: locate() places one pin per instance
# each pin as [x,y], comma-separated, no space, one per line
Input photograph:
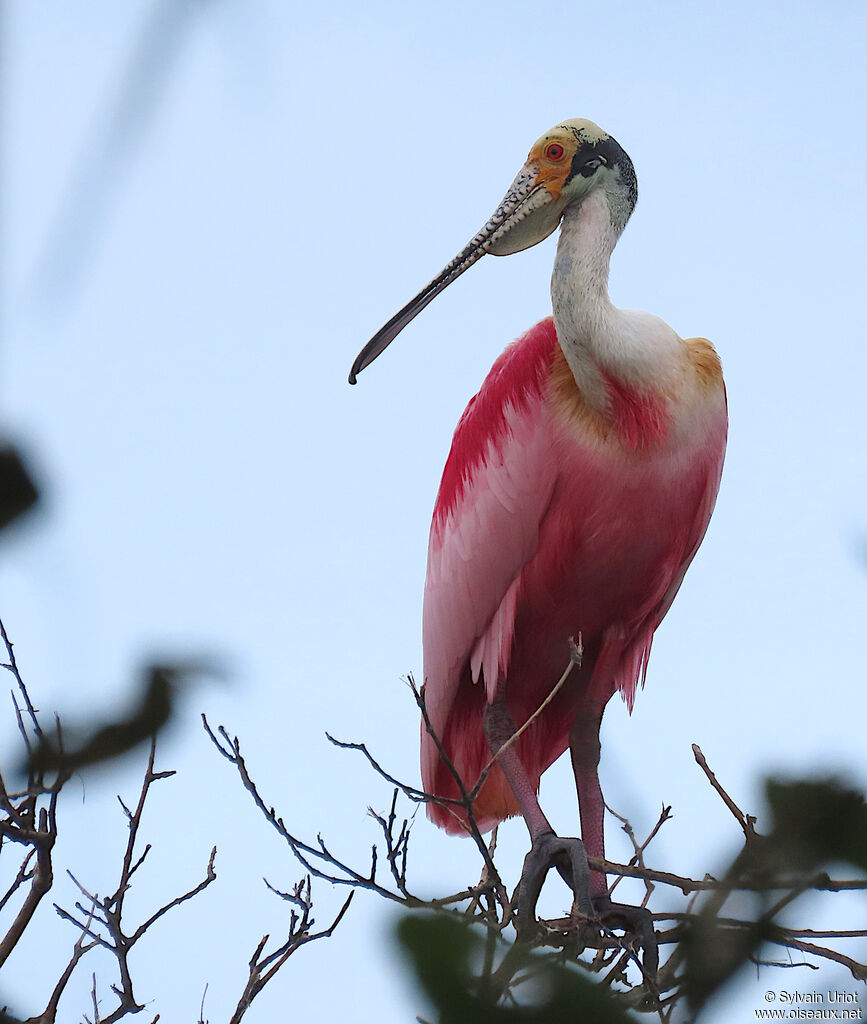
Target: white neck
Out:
[597,338]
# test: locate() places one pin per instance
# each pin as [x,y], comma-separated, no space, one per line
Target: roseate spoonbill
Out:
[579,485]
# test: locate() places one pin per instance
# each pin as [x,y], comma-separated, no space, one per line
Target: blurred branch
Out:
[120,132]
[83,746]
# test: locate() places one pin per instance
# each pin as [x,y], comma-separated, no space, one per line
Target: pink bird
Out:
[579,486]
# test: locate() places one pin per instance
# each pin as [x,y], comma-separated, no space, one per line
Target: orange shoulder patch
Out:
[705,360]
[569,397]
[637,418]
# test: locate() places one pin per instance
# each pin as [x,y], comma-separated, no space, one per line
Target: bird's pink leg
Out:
[568,855]
[499,729]
[547,849]
[584,747]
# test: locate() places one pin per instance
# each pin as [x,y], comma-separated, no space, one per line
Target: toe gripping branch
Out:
[567,855]
[638,921]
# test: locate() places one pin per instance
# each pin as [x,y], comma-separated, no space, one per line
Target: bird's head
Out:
[564,166]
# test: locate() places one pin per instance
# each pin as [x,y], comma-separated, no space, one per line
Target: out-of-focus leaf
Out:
[445,953]
[813,822]
[81,746]
[818,821]
[713,952]
[17,491]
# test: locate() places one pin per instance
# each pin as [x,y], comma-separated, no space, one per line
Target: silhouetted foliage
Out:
[813,822]
[80,745]
[445,954]
[18,493]
[816,821]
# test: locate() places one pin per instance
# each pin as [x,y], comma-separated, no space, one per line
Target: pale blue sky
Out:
[212,482]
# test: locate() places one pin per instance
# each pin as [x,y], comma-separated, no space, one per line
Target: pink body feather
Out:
[553,521]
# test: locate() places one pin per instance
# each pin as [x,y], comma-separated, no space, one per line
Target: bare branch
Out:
[745,821]
[104,917]
[210,876]
[309,856]
[80,948]
[42,880]
[488,903]
[466,797]
[417,795]
[12,666]
[24,875]
[638,857]
[264,967]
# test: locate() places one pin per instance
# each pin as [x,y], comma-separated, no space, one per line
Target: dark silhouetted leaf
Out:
[17,491]
[813,822]
[818,821]
[81,747]
[445,953]
[713,952]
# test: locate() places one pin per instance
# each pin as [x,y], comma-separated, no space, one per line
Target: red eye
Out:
[554,151]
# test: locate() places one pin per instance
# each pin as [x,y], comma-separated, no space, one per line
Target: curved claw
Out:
[636,920]
[568,857]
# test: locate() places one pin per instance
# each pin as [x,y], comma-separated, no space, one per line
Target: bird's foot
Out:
[568,857]
[638,921]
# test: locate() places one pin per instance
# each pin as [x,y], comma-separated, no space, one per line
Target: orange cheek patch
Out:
[553,174]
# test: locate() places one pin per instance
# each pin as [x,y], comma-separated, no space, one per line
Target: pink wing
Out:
[496,486]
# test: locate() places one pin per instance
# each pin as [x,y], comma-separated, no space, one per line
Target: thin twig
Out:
[745,821]
[577,648]
[263,968]
[638,856]
[306,854]
[12,666]
[466,799]
[414,794]
[104,917]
